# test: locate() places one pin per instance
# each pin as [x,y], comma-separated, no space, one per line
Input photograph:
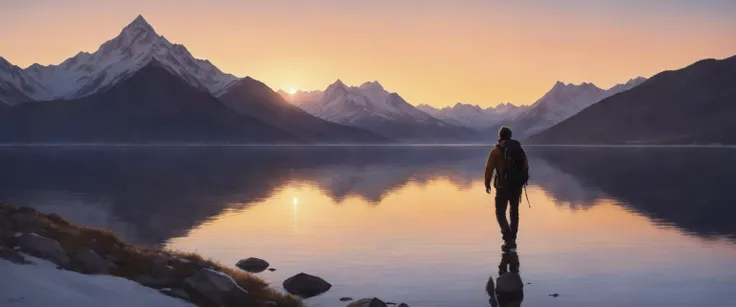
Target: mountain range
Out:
[473,116]
[692,105]
[561,102]
[140,88]
[100,97]
[371,107]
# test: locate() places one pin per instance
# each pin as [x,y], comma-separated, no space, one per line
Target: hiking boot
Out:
[509,247]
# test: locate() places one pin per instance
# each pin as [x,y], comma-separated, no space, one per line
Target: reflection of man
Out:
[511,167]
[509,289]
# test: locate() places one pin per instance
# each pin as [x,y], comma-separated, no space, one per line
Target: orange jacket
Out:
[495,162]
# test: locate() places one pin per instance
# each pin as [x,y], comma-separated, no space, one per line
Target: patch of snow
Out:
[348,104]
[473,116]
[43,285]
[566,100]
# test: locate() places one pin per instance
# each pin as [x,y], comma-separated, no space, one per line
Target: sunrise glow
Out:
[480,52]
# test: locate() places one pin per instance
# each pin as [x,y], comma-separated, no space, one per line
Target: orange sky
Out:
[434,52]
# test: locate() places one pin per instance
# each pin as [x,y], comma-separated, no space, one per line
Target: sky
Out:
[434,52]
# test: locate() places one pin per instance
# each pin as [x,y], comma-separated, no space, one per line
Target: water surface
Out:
[606,227]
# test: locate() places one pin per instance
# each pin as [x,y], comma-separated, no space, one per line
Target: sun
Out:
[292,91]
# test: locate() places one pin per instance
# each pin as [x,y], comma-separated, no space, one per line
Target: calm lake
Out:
[606,227]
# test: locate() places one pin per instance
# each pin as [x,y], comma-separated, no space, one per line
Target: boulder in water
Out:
[368,302]
[306,285]
[253,265]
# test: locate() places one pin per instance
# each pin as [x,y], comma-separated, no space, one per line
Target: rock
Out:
[345,299]
[112,258]
[161,271]
[90,262]
[253,265]
[367,302]
[177,293]
[306,285]
[403,305]
[217,287]
[6,237]
[27,221]
[12,256]
[155,283]
[161,259]
[43,247]
[238,297]
[25,210]
[271,269]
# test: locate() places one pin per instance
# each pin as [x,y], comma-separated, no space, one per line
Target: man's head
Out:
[504,133]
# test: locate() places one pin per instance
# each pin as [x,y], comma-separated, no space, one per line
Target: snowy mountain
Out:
[16,86]
[371,107]
[692,105]
[153,105]
[252,97]
[562,102]
[473,116]
[137,44]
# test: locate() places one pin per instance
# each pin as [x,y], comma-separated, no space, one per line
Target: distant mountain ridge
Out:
[473,116]
[370,107]
[252,97]
[692,105]
[152,105]
[561,102]
[136,49]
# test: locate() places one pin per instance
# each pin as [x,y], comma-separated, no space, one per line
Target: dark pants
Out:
[504,198]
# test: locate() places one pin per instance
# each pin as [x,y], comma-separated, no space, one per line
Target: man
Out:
[511,167]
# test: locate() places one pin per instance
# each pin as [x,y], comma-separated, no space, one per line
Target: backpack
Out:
[514,174]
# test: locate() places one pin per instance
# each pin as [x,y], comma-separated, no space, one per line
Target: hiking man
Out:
[511,167]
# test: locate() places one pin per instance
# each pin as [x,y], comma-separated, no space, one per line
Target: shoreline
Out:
[98,252]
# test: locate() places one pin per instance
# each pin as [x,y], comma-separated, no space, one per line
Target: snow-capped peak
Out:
[621,87]
[137,45]
[372,86]
[140,22]
[17,86]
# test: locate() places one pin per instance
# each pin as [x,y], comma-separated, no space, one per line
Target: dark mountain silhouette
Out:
[253,98]
[151,105]
[692,105]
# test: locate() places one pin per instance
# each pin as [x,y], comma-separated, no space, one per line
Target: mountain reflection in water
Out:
[152,194]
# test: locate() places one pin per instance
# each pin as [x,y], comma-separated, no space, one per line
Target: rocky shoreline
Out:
[185,276]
